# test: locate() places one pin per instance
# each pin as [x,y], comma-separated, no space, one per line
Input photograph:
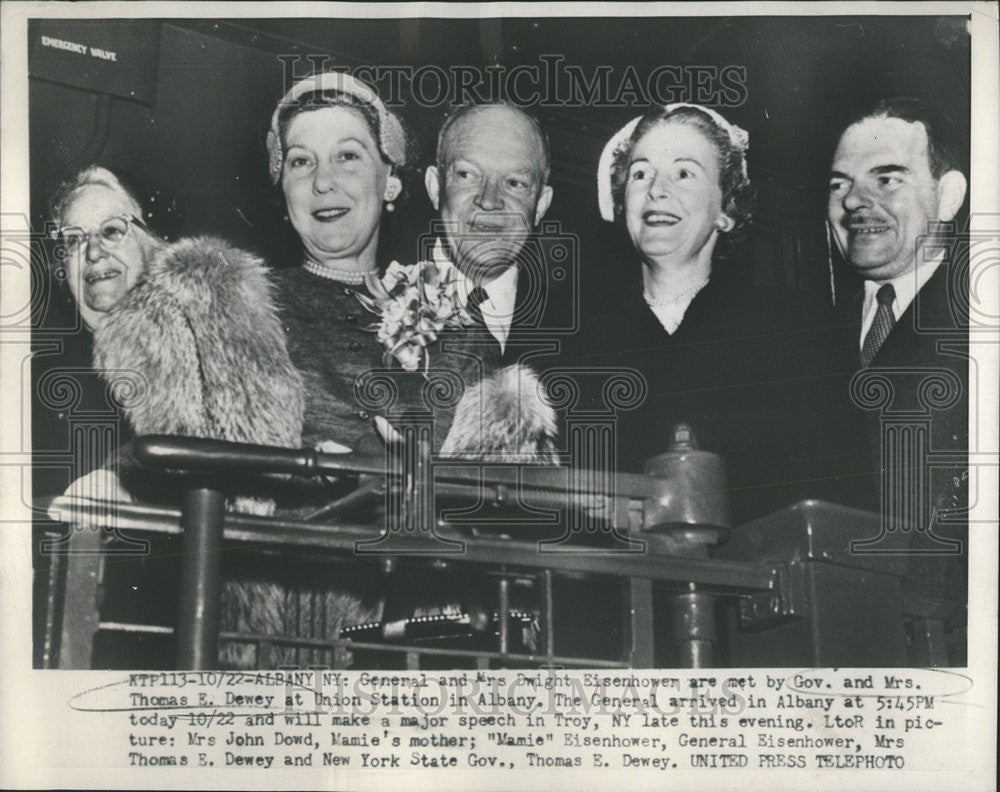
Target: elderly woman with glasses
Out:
[189,329]
[188,337]
[106,245]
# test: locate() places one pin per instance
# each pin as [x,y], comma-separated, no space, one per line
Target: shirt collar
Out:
[905,286]
[501,292]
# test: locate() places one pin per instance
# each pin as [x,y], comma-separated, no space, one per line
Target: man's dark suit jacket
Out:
[920,374]
[920,379]
[543,314]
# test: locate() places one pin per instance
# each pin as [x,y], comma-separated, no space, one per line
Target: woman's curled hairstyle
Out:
[339,89]
[730,145]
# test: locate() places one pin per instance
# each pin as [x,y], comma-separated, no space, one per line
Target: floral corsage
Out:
[414,303]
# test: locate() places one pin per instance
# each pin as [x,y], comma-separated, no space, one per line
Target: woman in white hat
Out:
[337,154]
[754,371]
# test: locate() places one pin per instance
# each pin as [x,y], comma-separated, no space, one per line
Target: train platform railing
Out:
[785,590]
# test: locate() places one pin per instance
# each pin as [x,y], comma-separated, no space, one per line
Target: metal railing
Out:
[769,573]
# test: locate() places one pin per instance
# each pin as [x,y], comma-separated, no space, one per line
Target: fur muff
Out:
[505,417]
[202,335]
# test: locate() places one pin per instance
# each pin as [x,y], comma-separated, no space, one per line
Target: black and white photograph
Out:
[457,363]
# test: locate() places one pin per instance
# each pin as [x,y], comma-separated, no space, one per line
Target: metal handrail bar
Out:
[725,577]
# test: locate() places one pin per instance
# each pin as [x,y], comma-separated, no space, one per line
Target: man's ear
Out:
[432,181]
[951,192]
[393,187]
[543,203]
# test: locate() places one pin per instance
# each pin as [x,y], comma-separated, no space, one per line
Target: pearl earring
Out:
[390,206]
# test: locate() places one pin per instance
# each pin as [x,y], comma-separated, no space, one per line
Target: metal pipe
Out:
[503,612]
[202,517]
[57,571]
[693,616]
[639,622]
[198,454]
[724,577]
[548,614]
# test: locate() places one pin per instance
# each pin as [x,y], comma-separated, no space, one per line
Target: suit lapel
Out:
[852,311]
[913,337]
[934,314]
[521,319]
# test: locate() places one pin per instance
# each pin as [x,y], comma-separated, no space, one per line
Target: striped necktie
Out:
[881,326]
[473,305]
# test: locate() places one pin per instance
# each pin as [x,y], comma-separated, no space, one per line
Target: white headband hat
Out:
[392,139]
[620,139]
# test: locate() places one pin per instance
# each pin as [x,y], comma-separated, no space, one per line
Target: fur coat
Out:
[196,349]
[202,334]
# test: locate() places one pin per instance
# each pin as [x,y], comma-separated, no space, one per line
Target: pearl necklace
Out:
[341,274]
[688,295]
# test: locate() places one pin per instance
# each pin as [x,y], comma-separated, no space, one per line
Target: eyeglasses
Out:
[112,231]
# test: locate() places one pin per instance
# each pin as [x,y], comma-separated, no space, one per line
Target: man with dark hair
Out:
[890,180]
[940,153]
[893,182]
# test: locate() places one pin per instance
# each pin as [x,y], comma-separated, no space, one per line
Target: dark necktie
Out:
[881,326]
[474,303]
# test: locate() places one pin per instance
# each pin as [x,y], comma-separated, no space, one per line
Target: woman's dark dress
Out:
[330,343]
[326,330]
[327,341]
[757,375]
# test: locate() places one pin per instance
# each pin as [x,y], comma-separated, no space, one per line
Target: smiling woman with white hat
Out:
[337,154]
[754,371]
[677,178]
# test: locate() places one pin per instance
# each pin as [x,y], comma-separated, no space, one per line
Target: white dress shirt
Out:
[501,293]
[906,287]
